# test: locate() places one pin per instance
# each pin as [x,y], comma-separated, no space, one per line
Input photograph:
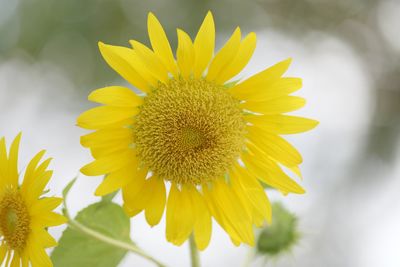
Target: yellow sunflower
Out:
[209,140]
[24,214]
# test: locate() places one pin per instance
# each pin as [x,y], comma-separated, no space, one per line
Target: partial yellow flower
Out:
[212,141]
[24,214]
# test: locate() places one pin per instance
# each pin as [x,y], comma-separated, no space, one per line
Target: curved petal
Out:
[132,190]
[103,116]
[36,188]
[251,187]
[269,172]
[160,43]
[116,180]
[272,90]
[202,226]
[282,124]
[38,256]
[225,56]
[46,204]
[109,163]
[3,252]
[116,96]
[274,146]
[124,61]
[180,215]
[229,213]
[108,136]
[13,161]
[185,54]
[31,170]
[204,45]
[260,80]
[151,61]
[275,106]
[243,56]
[156,204]
[16,260]
[3,163]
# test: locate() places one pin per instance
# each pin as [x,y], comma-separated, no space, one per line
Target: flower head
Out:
[211,140]
[24,214]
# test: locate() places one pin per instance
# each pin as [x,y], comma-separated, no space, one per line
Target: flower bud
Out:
[281,235]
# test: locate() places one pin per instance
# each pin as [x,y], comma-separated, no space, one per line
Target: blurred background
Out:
[346,51]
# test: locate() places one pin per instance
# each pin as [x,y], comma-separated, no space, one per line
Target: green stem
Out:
[194,253]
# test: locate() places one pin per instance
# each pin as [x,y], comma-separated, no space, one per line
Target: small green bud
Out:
[281,235]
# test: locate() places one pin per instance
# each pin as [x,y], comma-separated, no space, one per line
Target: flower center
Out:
[189,131]
[14,220]
[191,138]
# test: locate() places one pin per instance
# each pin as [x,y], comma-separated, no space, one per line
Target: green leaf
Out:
[79,250]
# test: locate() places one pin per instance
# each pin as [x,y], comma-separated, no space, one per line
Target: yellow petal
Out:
[254,191]
[225,56]
[102,136]
[185,54]
[45,205]
[241,59]
[24,260]
[124,61]
[110,149]
[296,171]
[47,219]
[276,106]
[151,61]
[204,45]
[100,117]
[116,96]
[31,170]
[156,204]
[260,80]
[13,161]
[44,238]
[131,212]
[36,188]
[202,226]
[160,43]
[16,260]
[8,259]
[218,213]
[241,195]
[228,212]
[131,191]
[270,173]
[282,124]
[273,89]
[274,146]
[38,255]
[180,216]
[35,182]
[3,251]
[109,163]
[116,180]
[3,163]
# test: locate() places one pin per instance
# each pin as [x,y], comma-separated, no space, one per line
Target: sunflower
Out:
[24,214]
[210,141]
